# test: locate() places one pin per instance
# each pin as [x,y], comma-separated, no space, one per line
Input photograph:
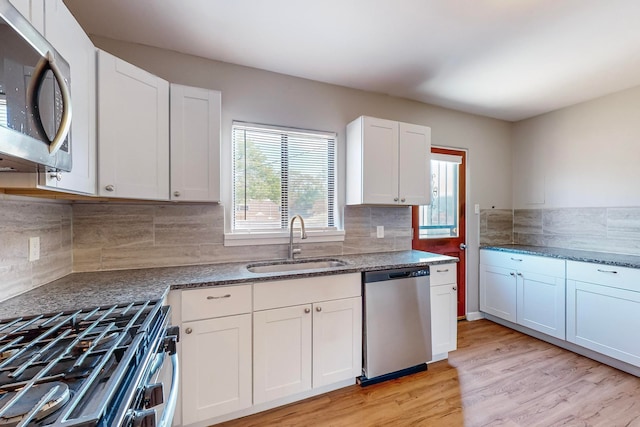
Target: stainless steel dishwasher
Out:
[397,323]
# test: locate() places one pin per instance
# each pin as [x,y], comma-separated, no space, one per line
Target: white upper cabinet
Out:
[133,132]
[33,10]
[387,162]
[69,39]
[195,144]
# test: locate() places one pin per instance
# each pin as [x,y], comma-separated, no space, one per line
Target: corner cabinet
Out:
[603,309]
[524,289]
[195,144]
[444,315]
[388,162]
[133,131]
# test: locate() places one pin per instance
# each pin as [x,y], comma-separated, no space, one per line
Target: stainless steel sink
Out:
[297,265]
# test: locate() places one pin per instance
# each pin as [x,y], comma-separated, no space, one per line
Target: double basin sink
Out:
[286,266]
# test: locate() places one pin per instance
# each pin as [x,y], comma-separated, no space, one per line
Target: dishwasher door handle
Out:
[400,275]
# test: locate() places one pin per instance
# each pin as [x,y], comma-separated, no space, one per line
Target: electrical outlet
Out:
[34,248]
[380,231]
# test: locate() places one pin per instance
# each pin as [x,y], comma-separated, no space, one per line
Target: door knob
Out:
[463,246]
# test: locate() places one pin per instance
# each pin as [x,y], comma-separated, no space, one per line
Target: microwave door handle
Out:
[65,122]
[37,78]
[33,94]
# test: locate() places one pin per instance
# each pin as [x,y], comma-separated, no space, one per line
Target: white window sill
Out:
[271,238]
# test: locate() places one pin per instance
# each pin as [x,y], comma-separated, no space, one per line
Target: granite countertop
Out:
[83,290]
[606,258]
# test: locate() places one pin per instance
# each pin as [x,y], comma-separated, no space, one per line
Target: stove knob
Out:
[144,418]
[153,395]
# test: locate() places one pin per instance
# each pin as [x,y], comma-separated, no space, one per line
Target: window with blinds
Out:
[281,172]
[3,109]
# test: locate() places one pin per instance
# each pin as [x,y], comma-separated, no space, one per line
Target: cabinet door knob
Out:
[395,199]
[110,187]
[454,288]
[403,200]
[188,331]
[307,310]
[512,274]
[318,309]
[176,194]
[56,175]
[519,274]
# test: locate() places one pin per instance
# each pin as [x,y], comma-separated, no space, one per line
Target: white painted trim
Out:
[271,238]
[274,403]
[476,315]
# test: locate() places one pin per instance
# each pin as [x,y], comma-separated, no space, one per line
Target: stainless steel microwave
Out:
[35,101]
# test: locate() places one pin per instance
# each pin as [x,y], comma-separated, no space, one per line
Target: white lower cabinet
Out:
[444,314]
[314,341]
[603,309]
[216,360]
[524,289]
[247,348]
[282,352]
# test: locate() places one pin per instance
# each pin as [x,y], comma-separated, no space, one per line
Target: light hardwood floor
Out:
[497,377]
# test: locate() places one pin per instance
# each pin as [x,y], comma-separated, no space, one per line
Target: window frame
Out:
[240,237]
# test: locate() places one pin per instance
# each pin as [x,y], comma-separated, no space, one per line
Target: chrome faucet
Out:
[303,235]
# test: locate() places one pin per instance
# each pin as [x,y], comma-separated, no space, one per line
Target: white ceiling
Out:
[509,59]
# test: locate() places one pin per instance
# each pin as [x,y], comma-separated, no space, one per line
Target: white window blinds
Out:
[282,172]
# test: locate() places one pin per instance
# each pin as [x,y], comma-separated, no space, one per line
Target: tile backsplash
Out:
[612,229]
[20,219]
[127,235]
[496,226]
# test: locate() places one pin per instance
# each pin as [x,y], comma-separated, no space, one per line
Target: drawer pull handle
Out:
[516,259]
[223,296]
[442,271]
[608,271]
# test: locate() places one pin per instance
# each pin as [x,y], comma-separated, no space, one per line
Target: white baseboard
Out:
[476,315]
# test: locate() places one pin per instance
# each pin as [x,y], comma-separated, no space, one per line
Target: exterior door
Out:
[440,226]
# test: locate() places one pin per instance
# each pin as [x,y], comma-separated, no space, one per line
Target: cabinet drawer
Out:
[285,293]
[215,301]
[443,274]
[537,264]
[619,277]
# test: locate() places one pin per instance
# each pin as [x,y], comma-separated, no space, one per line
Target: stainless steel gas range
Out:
[104,366]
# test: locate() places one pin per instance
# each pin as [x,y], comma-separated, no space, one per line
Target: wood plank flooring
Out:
[497,377]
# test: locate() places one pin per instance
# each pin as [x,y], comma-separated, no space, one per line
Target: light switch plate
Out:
[380,231]
[34,248]
[476,208]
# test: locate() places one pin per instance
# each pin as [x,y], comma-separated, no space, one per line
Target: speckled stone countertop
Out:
[83,290]
[605,258]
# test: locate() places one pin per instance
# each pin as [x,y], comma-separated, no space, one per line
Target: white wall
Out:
[263,97]
[586,155]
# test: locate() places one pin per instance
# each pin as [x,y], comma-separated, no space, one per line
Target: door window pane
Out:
[440,218]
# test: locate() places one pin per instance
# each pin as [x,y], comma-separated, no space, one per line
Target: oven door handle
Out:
[172,400]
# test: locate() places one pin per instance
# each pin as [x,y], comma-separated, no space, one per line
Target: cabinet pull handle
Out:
[307,310]
[512,274]
[188,331]
[520,274]
[607,271]
[442,271]
[223,296]
[403,200]
[318,309]
[516,259]
[110,187]
[454,288]
[395,199]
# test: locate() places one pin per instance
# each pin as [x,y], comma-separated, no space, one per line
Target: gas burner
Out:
[95,343]
[37,402]
[7,354]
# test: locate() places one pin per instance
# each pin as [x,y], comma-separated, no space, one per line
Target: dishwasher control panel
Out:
[396,274]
